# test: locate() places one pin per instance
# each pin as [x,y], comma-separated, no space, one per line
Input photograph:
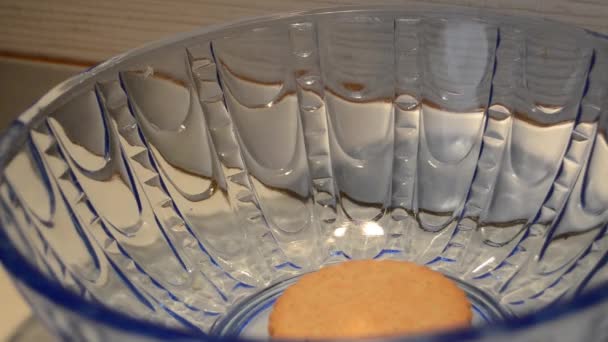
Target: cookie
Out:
[369,298]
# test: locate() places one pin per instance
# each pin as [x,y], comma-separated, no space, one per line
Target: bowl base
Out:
[249,318]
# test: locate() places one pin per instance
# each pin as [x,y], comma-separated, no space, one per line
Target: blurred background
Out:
[44,42]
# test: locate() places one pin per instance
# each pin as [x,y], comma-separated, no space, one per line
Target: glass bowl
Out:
[175,191]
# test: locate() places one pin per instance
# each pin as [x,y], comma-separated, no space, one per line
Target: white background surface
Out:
[21,83]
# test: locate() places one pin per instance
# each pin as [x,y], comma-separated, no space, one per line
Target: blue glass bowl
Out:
[175,191]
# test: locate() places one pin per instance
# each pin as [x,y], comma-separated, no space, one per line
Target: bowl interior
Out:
[189,183]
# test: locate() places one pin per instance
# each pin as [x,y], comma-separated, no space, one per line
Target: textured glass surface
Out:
[174,183]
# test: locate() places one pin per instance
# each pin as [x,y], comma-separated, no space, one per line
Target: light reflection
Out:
[487,262]
[367,228]
[340,231]
[372,229]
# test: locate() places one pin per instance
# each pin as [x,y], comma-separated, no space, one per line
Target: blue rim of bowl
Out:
[25,274]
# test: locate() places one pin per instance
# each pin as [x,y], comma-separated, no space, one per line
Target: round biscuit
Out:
[369,298]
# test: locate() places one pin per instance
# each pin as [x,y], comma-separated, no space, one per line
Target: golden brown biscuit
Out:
[369,298]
